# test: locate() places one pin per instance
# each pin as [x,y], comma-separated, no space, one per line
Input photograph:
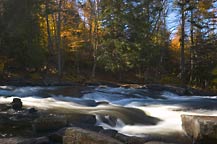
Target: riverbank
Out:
[178,89]
[109,79]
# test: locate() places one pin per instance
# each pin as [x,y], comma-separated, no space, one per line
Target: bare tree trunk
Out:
[192,46]
[182,49]
[95,56]
[49,39]
[59,40]
[95,37]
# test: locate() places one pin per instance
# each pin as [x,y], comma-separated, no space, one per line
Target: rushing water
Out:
[137,111]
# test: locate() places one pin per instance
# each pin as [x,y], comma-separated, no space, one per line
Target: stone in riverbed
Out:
[32,110]
[40,140]
[110,120]
[49,123]
[81,136]
[109,132]
[57,137]
[17,104]
[130,139]
[77,118]
[202,129]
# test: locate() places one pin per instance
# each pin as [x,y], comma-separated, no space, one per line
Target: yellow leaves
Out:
[204,5]
[66,34]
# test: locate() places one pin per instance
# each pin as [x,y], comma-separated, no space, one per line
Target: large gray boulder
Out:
[202,129]
[80,136]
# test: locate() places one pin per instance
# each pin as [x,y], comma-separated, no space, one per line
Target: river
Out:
[131,111]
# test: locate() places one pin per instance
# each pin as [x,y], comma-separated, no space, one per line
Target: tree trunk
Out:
[182,49]
[95,37]
[50,43]
[192,47]
[59,40]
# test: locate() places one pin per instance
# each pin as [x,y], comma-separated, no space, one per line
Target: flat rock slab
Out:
[202,129]
[81,136]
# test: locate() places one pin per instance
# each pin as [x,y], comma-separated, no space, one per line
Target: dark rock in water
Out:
[17,104]
[90,103]
[16,123]
[81,136]
[40,140]
[130,140]
[32,110]
[12,140]
[4,107]
[202,129]
[57,137]
[49,123]
[110,120]
[108,132]
[102,103]
[77,118]
[129,116]
[88,127]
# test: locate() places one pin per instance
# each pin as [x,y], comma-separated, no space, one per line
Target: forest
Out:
[131,41]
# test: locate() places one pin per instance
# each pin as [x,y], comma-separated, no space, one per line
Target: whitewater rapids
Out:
[130,106]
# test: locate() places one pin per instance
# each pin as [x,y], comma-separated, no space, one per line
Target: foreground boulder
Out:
[202,129]
[81,136]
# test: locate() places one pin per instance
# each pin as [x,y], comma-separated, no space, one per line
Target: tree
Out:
[22,35]
[58,42]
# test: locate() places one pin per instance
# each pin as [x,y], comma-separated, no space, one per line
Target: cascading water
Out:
[130,111]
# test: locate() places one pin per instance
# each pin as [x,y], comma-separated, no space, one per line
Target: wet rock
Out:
[202,129]
[57,137]
[17,104]
[81,136]
[102,103]
[16,123]
[77,118]
[49,123]
[110,120]
[40,140]
[4,107]
[109,132]
[130,139]
[12,140]
[129,116]
[32,110]
[88,127]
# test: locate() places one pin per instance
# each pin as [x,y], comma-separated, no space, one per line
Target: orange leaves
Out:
[175,43]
